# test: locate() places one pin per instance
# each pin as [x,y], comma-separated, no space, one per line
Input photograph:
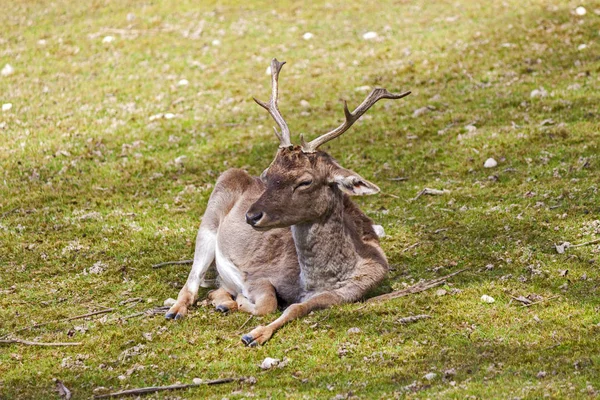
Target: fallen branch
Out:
[172,263]
[108,310]
[154,389]
[431,192]
[419,287]
[30,343]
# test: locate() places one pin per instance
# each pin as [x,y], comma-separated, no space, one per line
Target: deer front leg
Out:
[265,298]
[261,334]
[204,255]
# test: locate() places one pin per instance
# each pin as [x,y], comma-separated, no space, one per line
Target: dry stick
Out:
[29,343]
[64,320]
[172,263]
[586,243]
[154,389]
[245,323]
[538,302]
[419,287]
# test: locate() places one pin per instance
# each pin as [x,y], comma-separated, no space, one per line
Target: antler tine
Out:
[351,117]
[271,107]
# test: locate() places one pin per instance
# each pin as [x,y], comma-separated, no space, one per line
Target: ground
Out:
[124,113]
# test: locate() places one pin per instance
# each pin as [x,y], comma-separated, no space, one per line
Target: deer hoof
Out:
[222,309]
[170,315]
[248,340]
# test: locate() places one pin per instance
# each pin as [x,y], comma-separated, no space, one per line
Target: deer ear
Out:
[352,183]
[263,176]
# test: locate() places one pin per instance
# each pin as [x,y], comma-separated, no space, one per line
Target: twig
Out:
[413,318]
[399,179]
[63,320]
[586,243]
[172,263]
[245,323]
[412,246]
[522,300]
[132,300]
[538,302]
[419,287]
[30,343]
[4,214]
[432,192]
[154,389]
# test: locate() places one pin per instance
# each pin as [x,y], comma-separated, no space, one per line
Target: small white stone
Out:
[216,42]
[42,42]
[441,292]
[6,106]
[370,35]
[269,363]
[487,299]
[169,302]
[7,70]
[420,111]
[130,17]
[108,39]
[490,163]
[122,377]
[197,381]
[353,331]
[582,46]
[307,36]
[169,116]
[541,92]
[580,10]
[379,231]
[183,82]
[179,160]
[304,104]
[430,376]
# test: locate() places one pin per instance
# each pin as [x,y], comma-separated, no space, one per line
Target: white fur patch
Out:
[229,275]
[379,231]
[204,255]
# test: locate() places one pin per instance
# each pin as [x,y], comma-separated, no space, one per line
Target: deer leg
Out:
[204,255]
[265,299]
[222,300]
[261,334]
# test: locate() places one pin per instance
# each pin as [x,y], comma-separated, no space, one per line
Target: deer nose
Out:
[252,217]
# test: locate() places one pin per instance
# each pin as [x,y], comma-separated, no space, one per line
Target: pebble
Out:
[197,381]
[379,231]
[108,39]
[307,36]
[370,35]
[183,82]
[269,363]
[6,107]
[490,163]
[487,299]
[304,104]
[441,292]
[430,376]
[541,92]
[169,302]
[216,42]
[420,111]
[7,70]
[580,11]
[354,331]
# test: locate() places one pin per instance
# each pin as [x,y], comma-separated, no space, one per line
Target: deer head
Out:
[303,183]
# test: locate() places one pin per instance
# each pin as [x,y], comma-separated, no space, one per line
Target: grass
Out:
[87,178]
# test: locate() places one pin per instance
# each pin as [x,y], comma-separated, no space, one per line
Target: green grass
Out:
[87,177]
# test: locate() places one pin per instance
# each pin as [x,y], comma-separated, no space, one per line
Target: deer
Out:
[292,235]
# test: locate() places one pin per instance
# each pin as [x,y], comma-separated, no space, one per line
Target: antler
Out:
[284,135]
[351,117]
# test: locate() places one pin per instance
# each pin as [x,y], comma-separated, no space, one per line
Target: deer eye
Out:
[304,184]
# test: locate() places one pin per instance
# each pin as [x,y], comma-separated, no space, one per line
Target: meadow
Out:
[118,117]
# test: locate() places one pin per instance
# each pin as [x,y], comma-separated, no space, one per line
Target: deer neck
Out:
[325,250]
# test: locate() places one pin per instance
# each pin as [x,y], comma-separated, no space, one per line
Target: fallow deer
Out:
[291,234]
